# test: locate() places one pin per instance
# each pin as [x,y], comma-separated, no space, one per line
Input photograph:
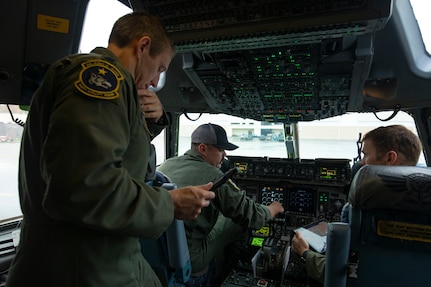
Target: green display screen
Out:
[257,241]
[242,167]
[328,173]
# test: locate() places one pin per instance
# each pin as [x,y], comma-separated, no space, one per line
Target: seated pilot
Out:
[224,222]
[390,145]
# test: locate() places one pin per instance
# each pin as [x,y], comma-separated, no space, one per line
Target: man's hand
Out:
[151,107]
[299,244]
[275,208]
[189,201]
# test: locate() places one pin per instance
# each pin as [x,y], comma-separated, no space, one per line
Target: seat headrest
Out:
[406,188]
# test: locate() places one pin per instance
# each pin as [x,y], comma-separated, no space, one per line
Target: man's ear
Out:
[143,45]
[202,148]
[391,157]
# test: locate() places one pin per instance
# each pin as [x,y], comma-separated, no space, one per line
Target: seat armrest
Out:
[337,252]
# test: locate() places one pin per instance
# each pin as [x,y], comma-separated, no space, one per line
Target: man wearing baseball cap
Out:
[212,134]
[225,221]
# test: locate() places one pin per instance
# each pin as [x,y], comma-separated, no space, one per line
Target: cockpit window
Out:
[11,119]
[421,10]
[334,137]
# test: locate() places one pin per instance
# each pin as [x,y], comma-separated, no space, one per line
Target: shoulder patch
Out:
[233,184]
[99,79]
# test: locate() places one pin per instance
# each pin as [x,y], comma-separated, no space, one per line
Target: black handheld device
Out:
[224,178]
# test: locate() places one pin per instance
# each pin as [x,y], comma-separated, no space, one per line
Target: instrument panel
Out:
[309,190]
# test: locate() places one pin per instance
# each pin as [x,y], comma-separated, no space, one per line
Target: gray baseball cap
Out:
[212,134]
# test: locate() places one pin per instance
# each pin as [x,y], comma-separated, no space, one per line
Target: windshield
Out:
[10,138]
[328,138]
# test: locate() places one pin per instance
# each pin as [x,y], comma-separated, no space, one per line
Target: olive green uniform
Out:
[84,156]
[315,266]
[206,238]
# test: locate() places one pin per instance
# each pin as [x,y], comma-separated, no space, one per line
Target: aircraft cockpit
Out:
[294,83]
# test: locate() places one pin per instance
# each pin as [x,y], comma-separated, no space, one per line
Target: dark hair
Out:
[134,26]
[397,138]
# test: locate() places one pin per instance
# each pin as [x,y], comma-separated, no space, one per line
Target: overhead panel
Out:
[283,61]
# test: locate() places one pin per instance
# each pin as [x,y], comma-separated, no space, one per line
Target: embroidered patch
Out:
[99,79]
[233,184]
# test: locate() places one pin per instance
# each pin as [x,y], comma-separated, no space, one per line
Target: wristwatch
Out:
[304,255]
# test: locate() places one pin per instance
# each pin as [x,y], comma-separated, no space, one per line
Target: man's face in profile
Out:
[371,156]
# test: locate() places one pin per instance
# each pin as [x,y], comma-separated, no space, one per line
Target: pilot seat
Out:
[169,254]
[390,226]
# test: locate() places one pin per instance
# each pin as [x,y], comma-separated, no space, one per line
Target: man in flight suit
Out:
[390,145]
[83,161]
[225,220]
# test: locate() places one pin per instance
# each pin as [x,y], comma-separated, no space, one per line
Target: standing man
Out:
[390,145]
[225,220]
[83,160]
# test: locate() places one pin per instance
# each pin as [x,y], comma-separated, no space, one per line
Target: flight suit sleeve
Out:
[315,266]
[235,204]
[87,181]
[156,128]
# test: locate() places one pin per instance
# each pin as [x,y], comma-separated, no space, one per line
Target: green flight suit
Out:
[315,266]
[84,156]
[205,238]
